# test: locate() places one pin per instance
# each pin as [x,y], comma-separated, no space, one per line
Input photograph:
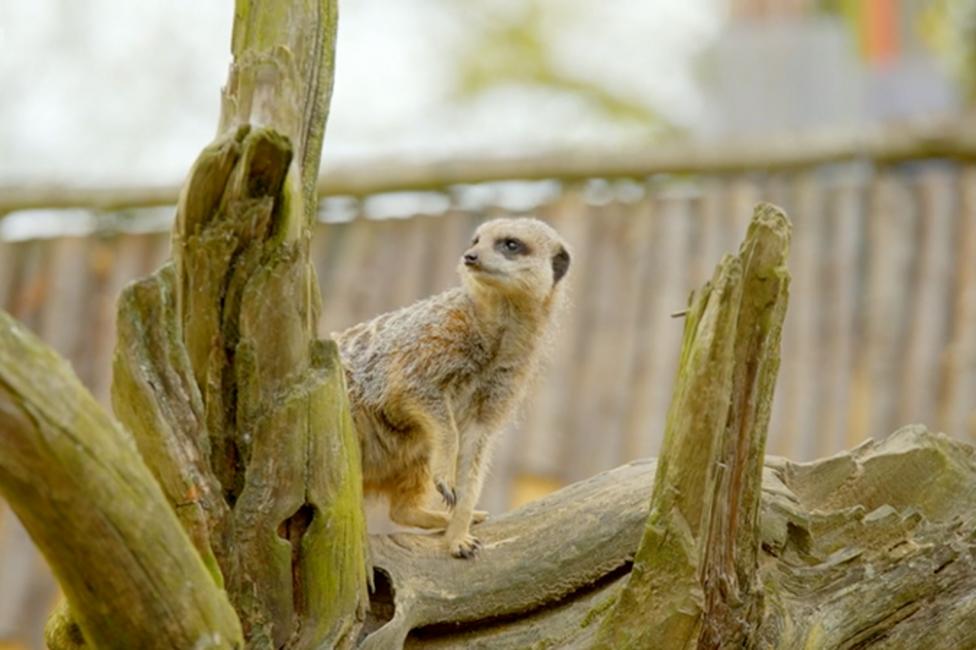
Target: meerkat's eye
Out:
[510,245]
[474,242]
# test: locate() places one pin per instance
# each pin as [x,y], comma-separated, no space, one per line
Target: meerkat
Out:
[431,384]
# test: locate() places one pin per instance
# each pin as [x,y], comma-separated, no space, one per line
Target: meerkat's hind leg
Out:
[408,493]
[418,517]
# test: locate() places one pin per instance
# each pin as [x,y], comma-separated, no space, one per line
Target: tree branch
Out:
[874,544]
[76,481]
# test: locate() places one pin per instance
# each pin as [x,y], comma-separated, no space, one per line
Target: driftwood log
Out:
[222,506]
[870,548]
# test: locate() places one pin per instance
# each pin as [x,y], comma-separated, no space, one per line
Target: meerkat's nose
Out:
[470,258]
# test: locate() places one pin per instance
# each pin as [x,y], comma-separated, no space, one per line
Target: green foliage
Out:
[512,48]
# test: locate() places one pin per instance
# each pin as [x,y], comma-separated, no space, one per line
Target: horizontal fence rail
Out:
[955,140]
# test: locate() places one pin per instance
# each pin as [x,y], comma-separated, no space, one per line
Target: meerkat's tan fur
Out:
[432,383]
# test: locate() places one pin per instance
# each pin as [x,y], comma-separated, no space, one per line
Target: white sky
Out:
[103,91]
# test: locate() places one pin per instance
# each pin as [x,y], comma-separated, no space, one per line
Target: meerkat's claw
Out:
[466,547]
[448,493]
[478,516]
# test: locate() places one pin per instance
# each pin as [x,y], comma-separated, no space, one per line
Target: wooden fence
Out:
[881,329]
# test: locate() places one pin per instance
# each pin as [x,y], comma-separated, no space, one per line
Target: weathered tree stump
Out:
[248,490]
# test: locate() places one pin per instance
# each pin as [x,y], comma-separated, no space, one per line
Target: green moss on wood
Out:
[282,444]
[240,414]
[694,575]
[663,599]
[99,516]
[335,545]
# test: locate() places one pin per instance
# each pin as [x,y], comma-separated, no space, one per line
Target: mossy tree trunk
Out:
[227,512]
[248,491]
[255,417]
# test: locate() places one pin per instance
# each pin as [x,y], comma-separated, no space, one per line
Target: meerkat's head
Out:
[521,258]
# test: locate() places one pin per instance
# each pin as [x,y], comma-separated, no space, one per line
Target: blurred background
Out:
[643,131]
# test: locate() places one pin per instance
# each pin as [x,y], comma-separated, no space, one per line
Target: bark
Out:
[75,479]
[239,413]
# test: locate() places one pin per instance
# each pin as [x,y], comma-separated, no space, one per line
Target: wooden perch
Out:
[876,545]
[541,554]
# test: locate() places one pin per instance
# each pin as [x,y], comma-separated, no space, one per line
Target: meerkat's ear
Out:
[560,264]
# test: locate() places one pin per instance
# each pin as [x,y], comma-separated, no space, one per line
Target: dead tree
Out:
[222,506]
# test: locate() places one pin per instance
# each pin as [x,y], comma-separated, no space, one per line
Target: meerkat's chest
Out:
[488,393]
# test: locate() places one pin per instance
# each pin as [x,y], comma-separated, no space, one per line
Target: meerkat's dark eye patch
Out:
[560,264]
[510,246]
[474,242]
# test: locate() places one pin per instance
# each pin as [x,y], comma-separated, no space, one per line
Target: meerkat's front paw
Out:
[448,493]
[464,547]
[478,516]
